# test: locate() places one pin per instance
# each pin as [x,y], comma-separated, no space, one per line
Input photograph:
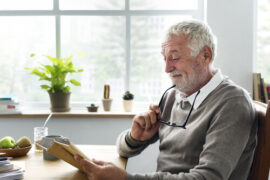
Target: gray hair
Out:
[199,35]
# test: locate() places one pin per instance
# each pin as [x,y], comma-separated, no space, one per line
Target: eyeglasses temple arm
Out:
[184,126]
[161,99]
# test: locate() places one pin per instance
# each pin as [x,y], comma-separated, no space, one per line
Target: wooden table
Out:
[37,168]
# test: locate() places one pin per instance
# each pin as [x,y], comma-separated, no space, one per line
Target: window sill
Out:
[71,114]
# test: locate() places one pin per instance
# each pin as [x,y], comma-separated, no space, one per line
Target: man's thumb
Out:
[87,166]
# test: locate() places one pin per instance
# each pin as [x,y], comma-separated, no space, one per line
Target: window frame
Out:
[199,13]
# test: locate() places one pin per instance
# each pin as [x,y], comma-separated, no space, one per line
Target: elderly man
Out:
[205,123]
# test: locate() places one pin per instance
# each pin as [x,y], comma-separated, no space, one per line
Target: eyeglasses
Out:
[173,124]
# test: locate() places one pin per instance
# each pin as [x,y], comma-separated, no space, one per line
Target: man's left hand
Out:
[100,170]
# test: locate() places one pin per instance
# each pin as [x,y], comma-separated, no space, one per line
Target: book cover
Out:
[5,98]
[16,174]
[268,90]
[256,87]
[6,167]
[8,106]
[8,100]
[11,111]
[262,90]
[265,92]
[63,151]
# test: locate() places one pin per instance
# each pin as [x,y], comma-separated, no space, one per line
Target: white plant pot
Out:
[127,105]
[107,104]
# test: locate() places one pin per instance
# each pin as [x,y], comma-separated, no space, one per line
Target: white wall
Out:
[232,22]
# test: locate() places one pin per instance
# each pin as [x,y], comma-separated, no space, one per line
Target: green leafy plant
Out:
[128,96]
[56,73]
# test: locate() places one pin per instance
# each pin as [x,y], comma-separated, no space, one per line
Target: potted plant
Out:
[92,108]
[106,101]
[55,74]
[128,101]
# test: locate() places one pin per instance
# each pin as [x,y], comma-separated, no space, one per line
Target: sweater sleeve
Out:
[225,142]
[128,147]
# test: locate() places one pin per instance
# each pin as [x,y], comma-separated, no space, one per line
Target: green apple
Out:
[7,142]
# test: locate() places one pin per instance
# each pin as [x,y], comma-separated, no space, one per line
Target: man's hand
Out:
[99,170]
[145,125]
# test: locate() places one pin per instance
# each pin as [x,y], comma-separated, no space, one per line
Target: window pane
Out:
[102,39]
[148,79]
[163,4]
[263,39]
[21,36]
[26,4]
[92,4]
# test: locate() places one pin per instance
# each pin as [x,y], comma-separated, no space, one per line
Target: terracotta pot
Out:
[127,105]
[60,102]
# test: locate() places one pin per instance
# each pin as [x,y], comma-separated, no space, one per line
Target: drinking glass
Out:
[39,133]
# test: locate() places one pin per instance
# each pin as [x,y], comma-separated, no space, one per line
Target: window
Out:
[120,38]
[263,39]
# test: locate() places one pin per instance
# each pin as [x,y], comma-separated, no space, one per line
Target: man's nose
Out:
[169,67]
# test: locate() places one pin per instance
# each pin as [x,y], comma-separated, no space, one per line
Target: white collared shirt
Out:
[204,91]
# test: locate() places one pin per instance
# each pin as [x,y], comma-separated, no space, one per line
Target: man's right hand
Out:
[145,125]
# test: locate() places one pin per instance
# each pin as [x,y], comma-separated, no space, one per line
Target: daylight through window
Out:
[120,39]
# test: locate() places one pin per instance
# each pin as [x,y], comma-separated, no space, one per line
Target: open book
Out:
[63,151]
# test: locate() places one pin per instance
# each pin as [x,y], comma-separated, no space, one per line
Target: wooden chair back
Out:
[261,162]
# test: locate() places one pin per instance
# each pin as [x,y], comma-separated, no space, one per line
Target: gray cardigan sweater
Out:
[217,144]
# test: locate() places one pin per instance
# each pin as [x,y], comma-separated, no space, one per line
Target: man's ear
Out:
[207,54]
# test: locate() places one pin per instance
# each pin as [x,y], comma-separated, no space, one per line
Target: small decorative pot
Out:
[107,103]
[92,108]
[127,105]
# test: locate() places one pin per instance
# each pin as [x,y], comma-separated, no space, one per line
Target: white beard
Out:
[194,81]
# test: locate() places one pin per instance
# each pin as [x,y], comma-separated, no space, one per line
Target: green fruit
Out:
[23,142]
[7,142]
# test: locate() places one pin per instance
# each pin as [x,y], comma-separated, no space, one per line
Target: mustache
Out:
[175,73]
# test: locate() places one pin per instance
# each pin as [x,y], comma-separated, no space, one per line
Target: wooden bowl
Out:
[15,152]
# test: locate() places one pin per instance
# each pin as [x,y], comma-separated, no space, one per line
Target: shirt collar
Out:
[204,91]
